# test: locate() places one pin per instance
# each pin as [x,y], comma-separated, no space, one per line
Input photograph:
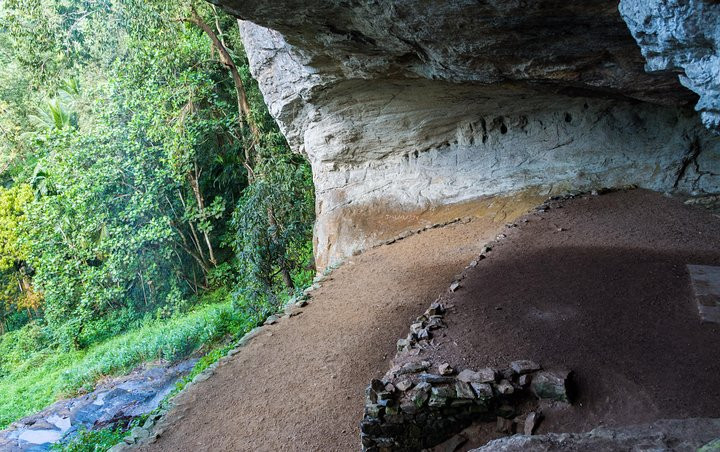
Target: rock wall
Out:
[420,404]
[410,110]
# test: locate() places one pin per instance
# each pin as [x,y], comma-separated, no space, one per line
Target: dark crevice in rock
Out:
[689,158]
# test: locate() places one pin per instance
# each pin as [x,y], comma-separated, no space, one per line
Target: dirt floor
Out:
[300,385]
[597,285]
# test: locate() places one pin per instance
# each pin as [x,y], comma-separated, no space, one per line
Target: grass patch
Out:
[93,440]
[45,376]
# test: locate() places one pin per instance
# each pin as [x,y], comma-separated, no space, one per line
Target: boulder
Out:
[524,366]
[551,385]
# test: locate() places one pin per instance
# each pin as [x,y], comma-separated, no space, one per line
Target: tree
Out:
[16,292]
[137,138]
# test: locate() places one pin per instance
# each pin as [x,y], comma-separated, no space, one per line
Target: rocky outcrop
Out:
[405,108]
[672,434]
[113,403]
[681,36]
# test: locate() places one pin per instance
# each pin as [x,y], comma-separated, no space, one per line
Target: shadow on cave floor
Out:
[598,285]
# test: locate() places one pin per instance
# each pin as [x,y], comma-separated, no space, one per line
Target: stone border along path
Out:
[302,389]
[145,432]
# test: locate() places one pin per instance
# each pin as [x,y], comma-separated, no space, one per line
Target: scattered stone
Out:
[436,308]
[436,379]
[435,322]
[452,444]
[473,264]
[377,385]
[373,411]
[440,395]
[705,281]
[409,407]
[486,375]
[139,433]
[301,303]
[404,385]
[413,367]
[505,425]
[389,388]
[505,387]
[551,385]
[531,422]
[416,327]
[464,390]
[524,380]
[402,345]
[455,286]
[273,319]
[486,249]
[524,366]
[483,390]
[421,393]
[445,369]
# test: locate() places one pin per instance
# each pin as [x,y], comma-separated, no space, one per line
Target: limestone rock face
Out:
[410,111]
[681,36]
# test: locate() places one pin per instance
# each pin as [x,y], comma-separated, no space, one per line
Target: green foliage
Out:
[31,377]
[13,204]
[274,225]
[140,217]
[93,440]
[16,294]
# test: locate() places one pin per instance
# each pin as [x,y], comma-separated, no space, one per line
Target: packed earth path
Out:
[299,385]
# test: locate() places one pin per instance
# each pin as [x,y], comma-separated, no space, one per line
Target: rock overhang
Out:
[404,107]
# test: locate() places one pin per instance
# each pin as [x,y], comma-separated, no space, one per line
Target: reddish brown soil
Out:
[599,286]
[300,385]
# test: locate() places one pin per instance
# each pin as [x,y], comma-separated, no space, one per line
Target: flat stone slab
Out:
[706,285]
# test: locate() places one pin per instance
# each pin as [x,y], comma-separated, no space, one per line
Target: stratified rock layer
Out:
[406,109]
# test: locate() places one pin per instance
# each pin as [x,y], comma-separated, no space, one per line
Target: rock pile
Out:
[420,404]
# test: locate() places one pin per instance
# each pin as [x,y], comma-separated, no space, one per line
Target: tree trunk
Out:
[284,271]
[195,184]
[245,118]
[226,59]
